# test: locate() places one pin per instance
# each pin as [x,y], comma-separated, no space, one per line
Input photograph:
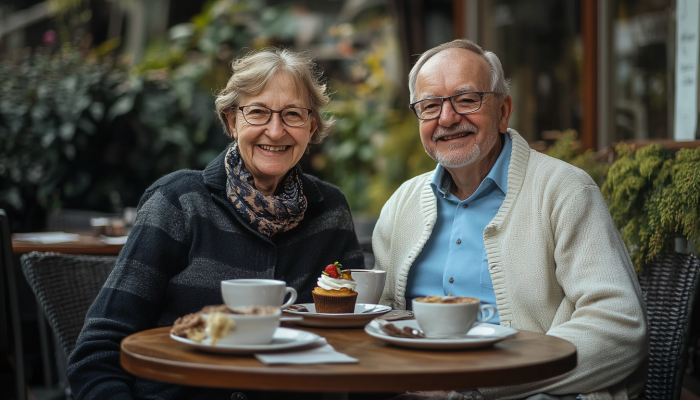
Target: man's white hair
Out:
[498,81]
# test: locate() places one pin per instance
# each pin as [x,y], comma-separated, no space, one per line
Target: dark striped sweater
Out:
[186,239]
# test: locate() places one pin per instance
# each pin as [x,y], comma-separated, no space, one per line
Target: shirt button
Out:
[465,205]
[452,280]
[459,241]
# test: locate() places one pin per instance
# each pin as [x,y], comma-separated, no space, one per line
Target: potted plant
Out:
[654,196]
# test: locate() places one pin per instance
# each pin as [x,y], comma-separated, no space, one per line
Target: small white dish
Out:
[283,339]
[363,314]
[495,334]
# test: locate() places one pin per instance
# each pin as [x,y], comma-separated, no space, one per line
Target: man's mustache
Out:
[453,130]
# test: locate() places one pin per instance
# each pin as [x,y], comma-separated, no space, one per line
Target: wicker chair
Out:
[669,285]
[65,286]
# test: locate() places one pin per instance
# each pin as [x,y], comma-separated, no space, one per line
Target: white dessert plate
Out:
[363,314]
[493,333]
[283,339]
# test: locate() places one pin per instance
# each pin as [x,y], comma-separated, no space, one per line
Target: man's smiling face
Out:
[452,139]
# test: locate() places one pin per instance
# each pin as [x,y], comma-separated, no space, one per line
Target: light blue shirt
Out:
[453,260]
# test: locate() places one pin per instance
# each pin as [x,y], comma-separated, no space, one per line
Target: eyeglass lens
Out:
[463,104]
[258,115]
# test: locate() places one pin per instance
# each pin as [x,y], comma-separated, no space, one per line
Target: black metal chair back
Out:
[8,290]
[669,285]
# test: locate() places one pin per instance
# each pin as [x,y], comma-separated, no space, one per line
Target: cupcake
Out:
[335,293]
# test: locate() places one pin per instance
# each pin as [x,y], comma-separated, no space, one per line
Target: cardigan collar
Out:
[215,178]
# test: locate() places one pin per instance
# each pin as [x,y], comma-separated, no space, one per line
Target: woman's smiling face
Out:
[269,151]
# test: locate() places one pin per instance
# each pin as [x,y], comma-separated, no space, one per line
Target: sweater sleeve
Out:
[130,300]
[607,321]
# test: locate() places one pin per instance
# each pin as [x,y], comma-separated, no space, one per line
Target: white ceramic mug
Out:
[256,292]
[250,329]
[370,284]
[444,319]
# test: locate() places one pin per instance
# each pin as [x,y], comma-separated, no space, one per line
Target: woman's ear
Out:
[231,120]
[314,127]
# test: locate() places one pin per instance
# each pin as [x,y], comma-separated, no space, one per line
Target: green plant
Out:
[80,132]
[654,196]
[566,148]
[50,111]
[375,146]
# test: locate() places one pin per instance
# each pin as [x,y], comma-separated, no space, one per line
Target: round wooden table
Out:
[526,357]
[87,245]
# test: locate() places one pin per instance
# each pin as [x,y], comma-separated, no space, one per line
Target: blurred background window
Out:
[539,43]
[642,69]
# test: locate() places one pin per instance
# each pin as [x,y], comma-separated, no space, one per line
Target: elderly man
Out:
[513,227]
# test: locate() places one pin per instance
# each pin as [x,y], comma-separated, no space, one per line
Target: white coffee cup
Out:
[256,292]
[444,319]
[250,329]
[370,284]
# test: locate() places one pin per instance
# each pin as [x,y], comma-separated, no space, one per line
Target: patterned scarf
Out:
[268,214]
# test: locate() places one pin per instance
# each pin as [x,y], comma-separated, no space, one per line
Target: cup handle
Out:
[292,299]
[490,311]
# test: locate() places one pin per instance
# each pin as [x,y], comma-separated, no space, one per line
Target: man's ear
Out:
[504,113]
[231,120]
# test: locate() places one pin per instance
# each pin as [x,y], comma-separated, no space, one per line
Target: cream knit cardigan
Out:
[558,266]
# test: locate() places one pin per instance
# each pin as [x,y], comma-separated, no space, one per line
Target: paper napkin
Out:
[321,353]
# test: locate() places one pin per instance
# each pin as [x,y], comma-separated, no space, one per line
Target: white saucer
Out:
[361,317]
[283,339]
[496,333]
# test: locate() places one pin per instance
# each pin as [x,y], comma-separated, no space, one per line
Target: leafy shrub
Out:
[654,196]
[78,132]
[566,148]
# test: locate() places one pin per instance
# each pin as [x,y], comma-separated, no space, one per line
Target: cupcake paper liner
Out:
[335,304]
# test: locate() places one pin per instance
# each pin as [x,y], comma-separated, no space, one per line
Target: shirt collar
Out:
[442,180]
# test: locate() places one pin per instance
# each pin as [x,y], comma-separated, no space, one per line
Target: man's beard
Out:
[451,157]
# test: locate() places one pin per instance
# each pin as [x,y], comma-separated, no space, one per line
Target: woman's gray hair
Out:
[252,72]
[498,80]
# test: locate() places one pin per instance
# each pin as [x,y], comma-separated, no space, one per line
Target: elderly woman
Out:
[252,213]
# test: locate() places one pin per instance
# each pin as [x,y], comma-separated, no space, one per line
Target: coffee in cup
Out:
[256,292]
[447,315]
[370,285]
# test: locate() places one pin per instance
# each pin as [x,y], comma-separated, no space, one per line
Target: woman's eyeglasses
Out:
[260,115]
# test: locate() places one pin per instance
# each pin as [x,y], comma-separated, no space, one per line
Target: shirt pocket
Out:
[485,275]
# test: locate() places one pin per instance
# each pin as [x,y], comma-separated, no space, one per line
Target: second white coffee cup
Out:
[444,319]
[370,285]
[256,292]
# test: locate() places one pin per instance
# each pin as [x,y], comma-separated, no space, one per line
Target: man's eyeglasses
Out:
[260,115]
[462,103]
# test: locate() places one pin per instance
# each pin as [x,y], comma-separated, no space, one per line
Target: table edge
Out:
[172,371]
